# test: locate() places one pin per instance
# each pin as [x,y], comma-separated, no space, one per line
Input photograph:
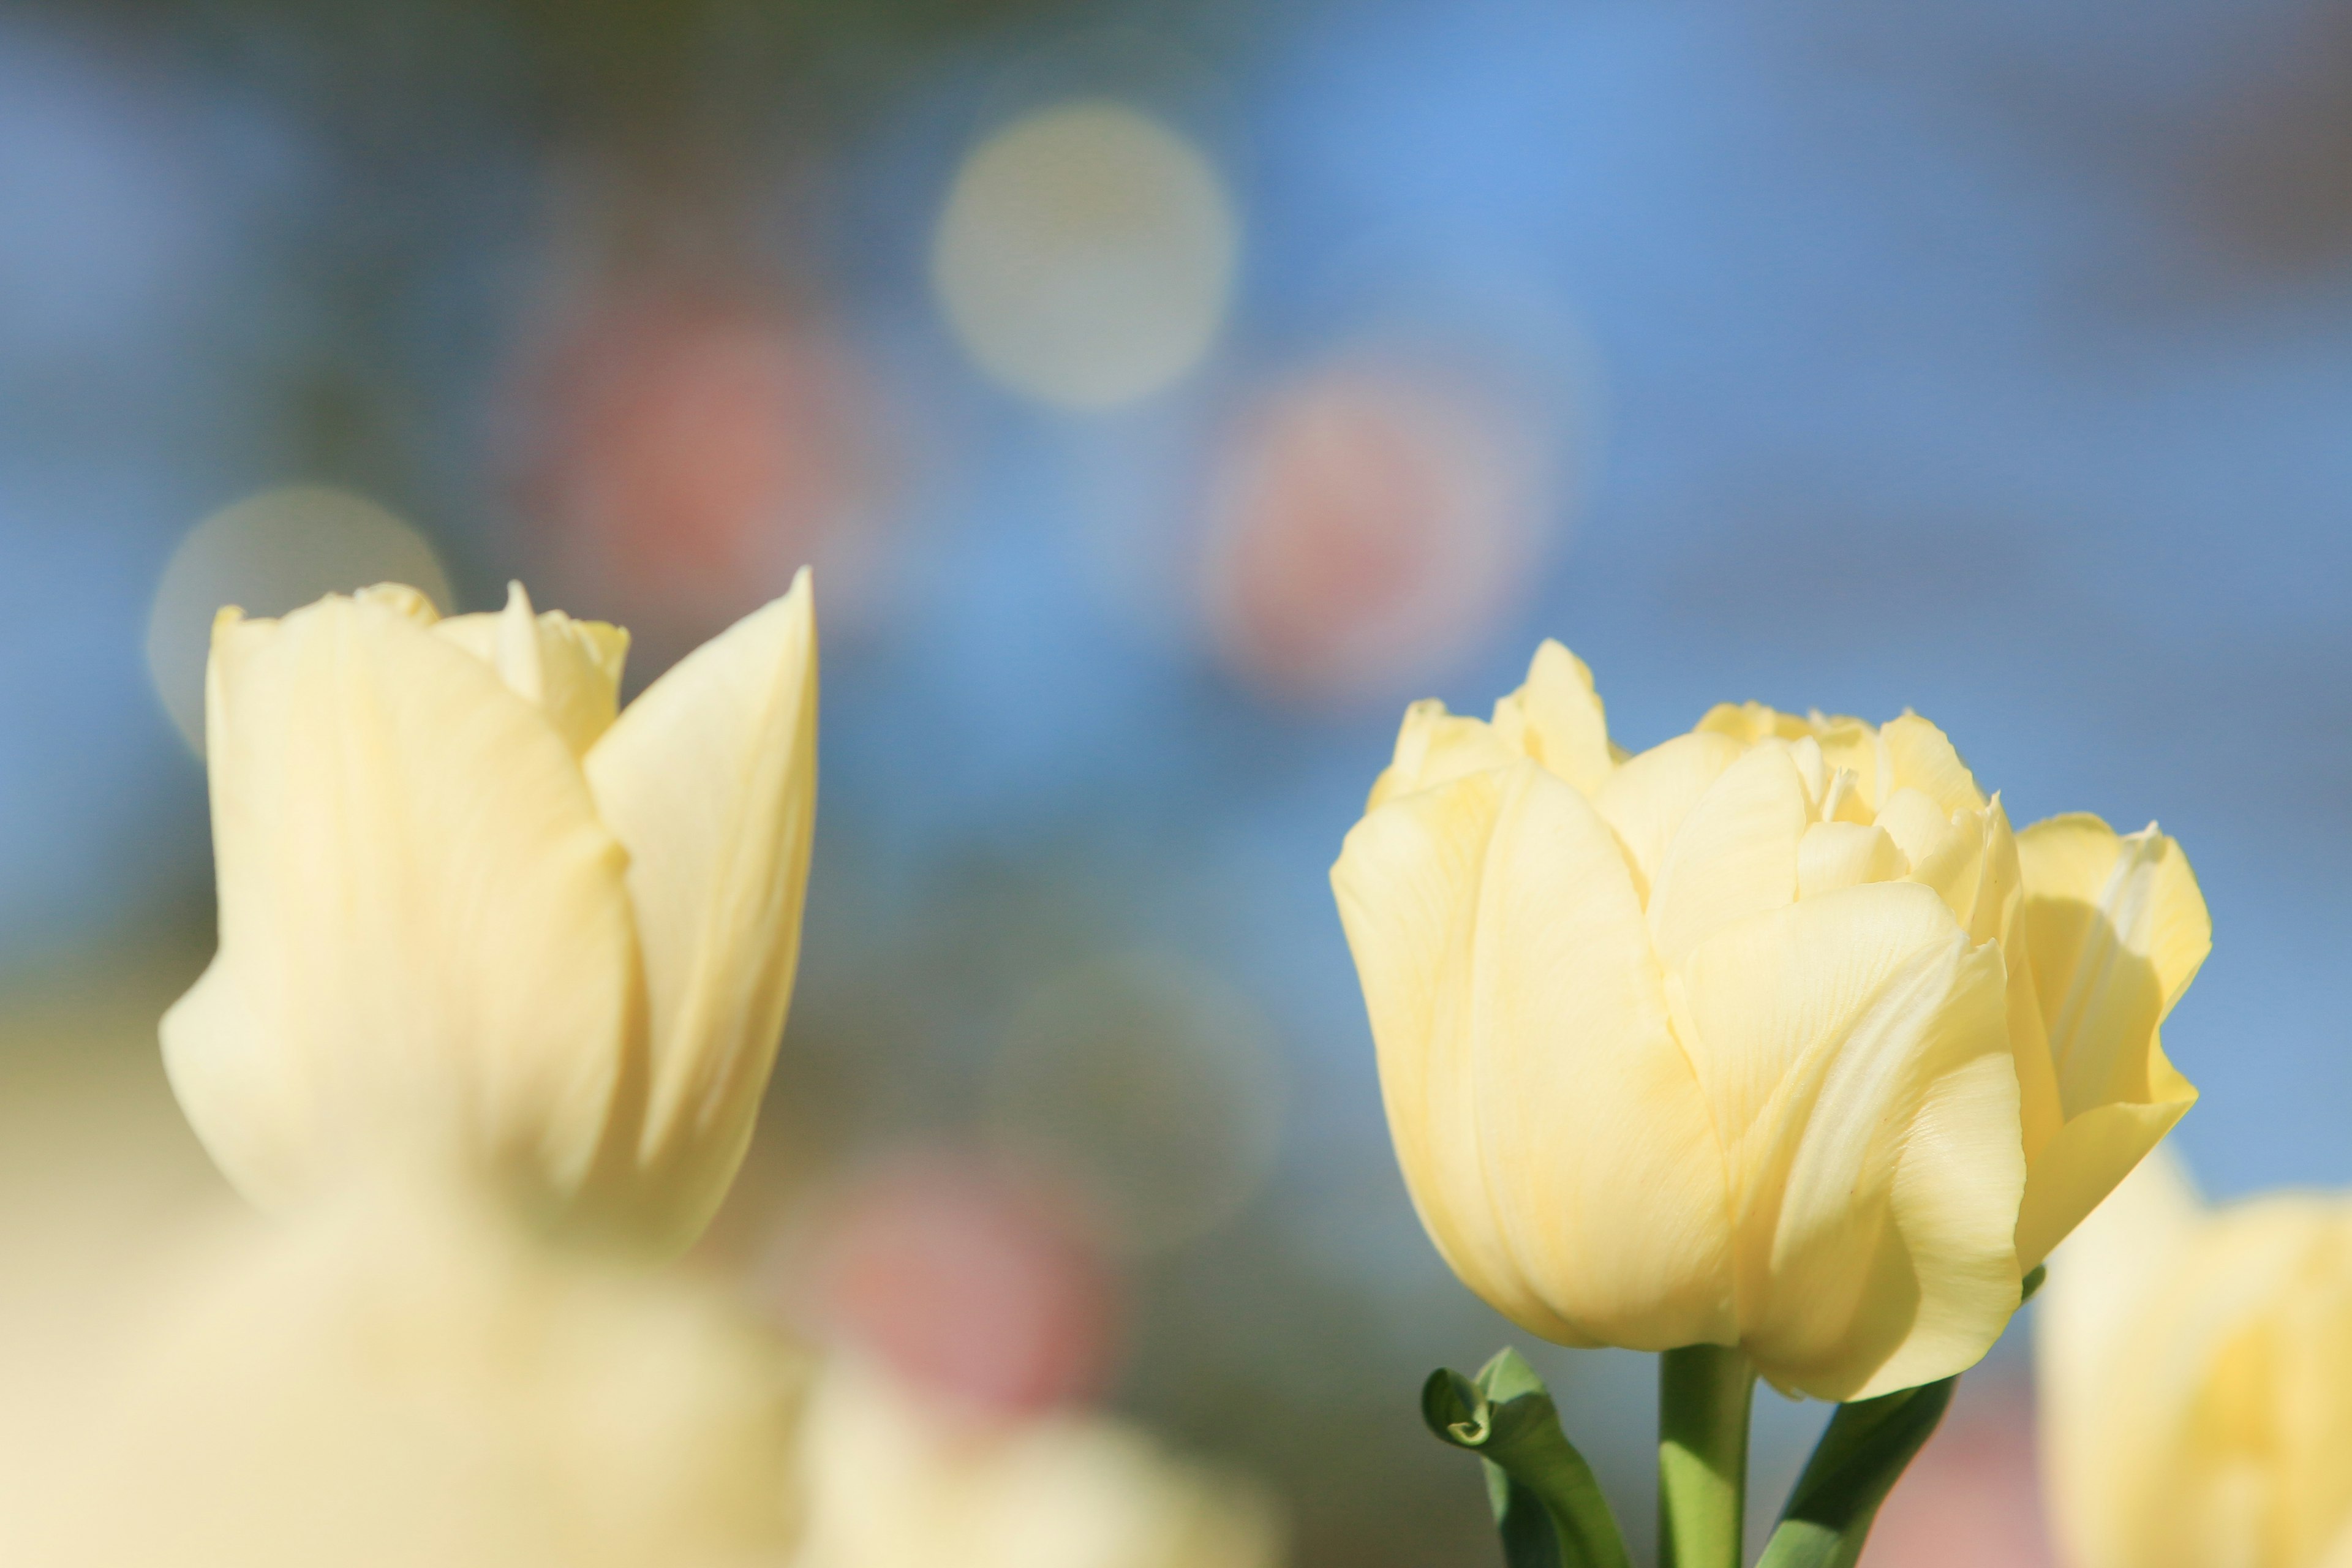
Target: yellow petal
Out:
[2116,928]
[425,950]
[570,669]
[1435,747]
[1646,799]
[2083,1162]
[1548,1126]
[1750,723]
[1735,854]
[1923,758]
[1856,1053]
[710,781]
[1556,719]
[1997,913]
[1834,855]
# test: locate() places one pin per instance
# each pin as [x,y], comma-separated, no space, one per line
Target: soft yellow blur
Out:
[892,1481]
[2196,1371]
[1771,1036]
[1087,256]
[388,1384]
[473,923]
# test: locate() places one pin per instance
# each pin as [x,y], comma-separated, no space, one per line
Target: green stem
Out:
[1704,1392]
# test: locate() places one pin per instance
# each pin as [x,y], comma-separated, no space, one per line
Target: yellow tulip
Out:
[1766,1038]
[475,919]
[2196,1371]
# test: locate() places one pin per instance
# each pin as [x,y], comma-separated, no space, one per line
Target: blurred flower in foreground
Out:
[682,451]
[2197,1381]
[894,1482]
[1739,1041]
[394,1386]
[1366,525]
[473,924]
[1087,256]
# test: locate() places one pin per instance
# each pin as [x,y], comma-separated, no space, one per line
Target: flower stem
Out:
[1704,1392]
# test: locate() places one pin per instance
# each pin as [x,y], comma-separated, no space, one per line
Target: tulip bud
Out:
[2196,1371]
[1763,1037]
[477,921]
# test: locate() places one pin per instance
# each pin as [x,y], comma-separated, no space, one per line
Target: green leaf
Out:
[1854,1465]
[2032,1283]
[1547,1505]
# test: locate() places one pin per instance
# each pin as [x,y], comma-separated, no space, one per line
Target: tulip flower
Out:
[2196,1371]
[1763,1037]
[477,921]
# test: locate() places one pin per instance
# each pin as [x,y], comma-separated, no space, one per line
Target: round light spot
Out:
[1087,256]
[268,554]
[1152,1085]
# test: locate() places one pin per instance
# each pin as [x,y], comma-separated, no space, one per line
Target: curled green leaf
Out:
[1550,1509]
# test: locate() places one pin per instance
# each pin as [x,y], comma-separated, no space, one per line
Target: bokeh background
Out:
[1164,394]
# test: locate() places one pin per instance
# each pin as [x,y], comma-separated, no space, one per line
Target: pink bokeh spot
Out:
[977,1284]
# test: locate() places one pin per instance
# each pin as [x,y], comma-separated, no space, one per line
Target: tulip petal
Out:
[2086,1158]
[1646,799]
[1550,1128]
[710,781]
[2116,928]
[1435,747]
[570,670]
[1923,758]
[1834,855]
[1735,854]
[424,935]
[1856,1053]
[1556,719]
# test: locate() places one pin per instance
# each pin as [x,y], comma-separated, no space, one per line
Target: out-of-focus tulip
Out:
[2196,1372]
[383,1386]
[1762,1037]
[473,923]
[893,1483]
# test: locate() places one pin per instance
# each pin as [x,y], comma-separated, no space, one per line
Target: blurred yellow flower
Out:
[474,919]
[2196,1369]
[1774,1036]
[378,1384]
[892,1480]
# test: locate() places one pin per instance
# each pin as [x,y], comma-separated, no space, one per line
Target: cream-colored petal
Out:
[228,1073]
[2083,1160]
[422,921]
[1550,1128]
[1750,723]
[570,669]
[2116,929]
[1435,747]
[1556,719]
[1834,855]
[710,781]
[1997,913]
[1923,758]
[1855,1052]
[1646,799]
[1735,854]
